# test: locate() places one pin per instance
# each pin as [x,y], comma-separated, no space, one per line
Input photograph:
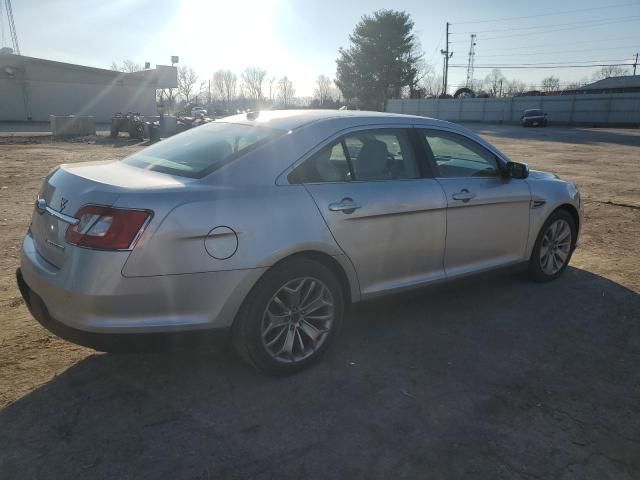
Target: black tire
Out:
[247,328]
[536,271]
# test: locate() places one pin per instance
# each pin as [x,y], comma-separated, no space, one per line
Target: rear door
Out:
[384,214]
[487,214]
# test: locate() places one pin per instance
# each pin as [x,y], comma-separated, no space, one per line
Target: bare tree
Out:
[201,92]
[128,66]
[550,84]
[285,91]
[576,84]
[272,81]
[493,81]
[225,86]
[253,78]
[230,86]
[323,89]
[187,78]
[218,85]
[610,71]
[429,81]
[515,87]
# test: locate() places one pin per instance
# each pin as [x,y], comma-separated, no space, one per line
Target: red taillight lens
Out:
[106,228]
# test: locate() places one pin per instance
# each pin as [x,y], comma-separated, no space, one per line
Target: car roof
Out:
[294,119]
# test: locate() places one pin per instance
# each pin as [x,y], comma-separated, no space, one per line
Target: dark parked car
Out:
[534,117]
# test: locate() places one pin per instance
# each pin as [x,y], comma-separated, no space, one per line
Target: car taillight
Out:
[107,228]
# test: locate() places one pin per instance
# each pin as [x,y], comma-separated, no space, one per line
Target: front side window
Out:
[202,150]
[458,156]
[368,155]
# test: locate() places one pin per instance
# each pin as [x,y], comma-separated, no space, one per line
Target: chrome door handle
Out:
[464,195]
[346,205]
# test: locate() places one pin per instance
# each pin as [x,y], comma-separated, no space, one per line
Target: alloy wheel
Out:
[556,247]
[297,320]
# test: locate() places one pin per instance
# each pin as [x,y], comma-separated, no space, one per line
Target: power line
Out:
[505,19]
[508,67]
[538,27]
[628,19]
[554,52]
[564,62]
[579,42]
[435,50]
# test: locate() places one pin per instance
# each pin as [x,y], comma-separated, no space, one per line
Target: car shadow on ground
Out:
[488,377]
[552,133]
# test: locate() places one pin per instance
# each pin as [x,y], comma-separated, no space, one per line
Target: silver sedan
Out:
[265,226]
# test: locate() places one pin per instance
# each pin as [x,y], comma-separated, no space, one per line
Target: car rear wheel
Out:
[554,247]
[290,317]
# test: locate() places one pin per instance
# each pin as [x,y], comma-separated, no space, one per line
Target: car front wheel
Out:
[554,247]
[290,317]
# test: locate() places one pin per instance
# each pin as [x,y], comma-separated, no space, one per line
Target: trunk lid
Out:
[70,187]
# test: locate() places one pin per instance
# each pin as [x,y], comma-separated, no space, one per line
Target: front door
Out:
[487,214]
[387,218]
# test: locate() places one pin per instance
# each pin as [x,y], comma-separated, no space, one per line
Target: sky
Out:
[301,38]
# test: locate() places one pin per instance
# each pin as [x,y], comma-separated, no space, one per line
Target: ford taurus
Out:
[266,225]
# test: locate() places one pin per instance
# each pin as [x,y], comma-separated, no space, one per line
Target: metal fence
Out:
[596,109]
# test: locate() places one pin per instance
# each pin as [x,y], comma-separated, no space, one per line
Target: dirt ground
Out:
[489,377]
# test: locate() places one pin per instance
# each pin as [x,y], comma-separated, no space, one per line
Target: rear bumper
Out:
[211,339]
[89,298]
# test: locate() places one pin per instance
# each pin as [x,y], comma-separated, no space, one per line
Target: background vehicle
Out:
[198,111]
[268,224]
[533,117]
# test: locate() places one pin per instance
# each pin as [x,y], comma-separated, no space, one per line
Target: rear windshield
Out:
[533,113]
[202,150]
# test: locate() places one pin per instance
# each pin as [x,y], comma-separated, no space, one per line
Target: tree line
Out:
[228,91]
[384,60]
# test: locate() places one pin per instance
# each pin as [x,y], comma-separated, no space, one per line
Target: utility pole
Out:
[447,56]
[635,64]
[500,88]
[472,53]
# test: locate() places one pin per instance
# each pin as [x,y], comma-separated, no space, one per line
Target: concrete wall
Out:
[601,109]
[36,88]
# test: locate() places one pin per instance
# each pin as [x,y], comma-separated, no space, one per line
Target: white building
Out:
[34,88]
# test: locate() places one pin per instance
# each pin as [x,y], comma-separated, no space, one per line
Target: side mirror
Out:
[516,170]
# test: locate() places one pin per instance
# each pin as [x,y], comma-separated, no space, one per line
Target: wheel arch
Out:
[342,269]
[572,210]
[350,290]
[539,222]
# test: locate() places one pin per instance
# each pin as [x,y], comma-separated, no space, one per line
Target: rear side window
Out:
[384,154]
[202,150]
[328,165]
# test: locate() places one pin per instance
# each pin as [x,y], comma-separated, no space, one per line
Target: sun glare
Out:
[230,34]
